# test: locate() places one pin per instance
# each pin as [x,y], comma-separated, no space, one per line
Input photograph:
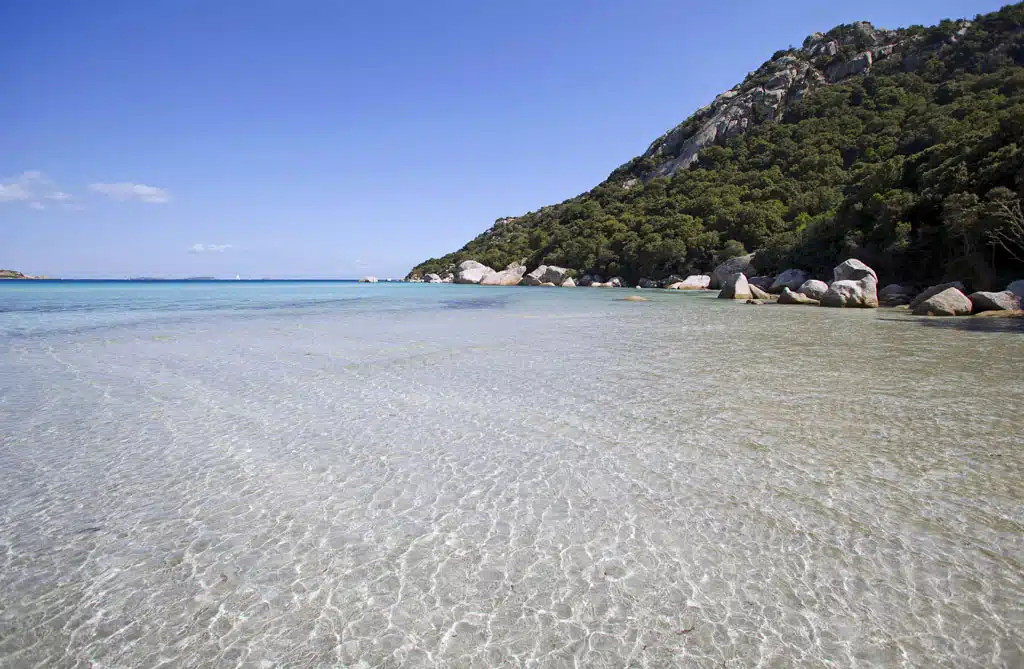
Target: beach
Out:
[323,474]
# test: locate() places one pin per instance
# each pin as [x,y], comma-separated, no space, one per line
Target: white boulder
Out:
[735,287]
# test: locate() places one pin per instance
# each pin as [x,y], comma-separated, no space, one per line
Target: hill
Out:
[902,148]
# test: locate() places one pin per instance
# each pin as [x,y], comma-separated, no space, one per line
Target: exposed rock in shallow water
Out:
[692,282]
[791,297]
[1017,288]
[762,282]
[855,285]
[950,302]
[847,293]
[569,283]
[648,283]
[935,290]
[1003,301]
[635,298]
[813,289]
[508,277]
[735,288]
[589,279]
[758,293]
[791,278]
[470,271]
[731,267]
[432,278]
[546,274]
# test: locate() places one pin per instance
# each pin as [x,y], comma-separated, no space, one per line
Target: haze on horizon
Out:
[173,139]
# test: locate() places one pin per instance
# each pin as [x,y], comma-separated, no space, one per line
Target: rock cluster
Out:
[853,284]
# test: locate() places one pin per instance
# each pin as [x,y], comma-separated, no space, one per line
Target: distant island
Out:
[13,274]
[158,278]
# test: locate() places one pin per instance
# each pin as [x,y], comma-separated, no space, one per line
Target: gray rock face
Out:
[738,265]
[569,283]
[813,289]
[852,270]
[692,282]
[589,279]
[855,285]
[757,293]
[895,295]
[791,297]
[935,290]
[735,288]
[762,282]
[860,63]
[432,278]
[616,282]
[949,302]
[470,271]
[648,283]
[508,277]
[1017,288]
[1002,301]
[791,278]
[785,79]
[546,274]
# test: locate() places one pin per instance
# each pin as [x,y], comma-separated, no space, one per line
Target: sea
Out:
[333,474]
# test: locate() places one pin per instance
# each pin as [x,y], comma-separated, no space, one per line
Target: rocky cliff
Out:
[825,58]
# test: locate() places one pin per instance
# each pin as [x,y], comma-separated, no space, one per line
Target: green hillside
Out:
[903,148]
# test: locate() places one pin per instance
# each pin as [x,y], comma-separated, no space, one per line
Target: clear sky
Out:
[343,138]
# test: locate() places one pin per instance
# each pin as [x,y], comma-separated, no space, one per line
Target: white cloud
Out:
[128,191]
[209,248]
[22,187]
[35,190]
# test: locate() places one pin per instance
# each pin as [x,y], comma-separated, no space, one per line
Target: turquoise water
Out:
[323,474]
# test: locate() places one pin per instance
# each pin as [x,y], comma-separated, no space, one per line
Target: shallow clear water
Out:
[324,474]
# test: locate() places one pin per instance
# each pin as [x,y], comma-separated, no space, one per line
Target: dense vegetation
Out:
[915,167]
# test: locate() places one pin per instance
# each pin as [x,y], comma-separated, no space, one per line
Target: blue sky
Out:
[337,139]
